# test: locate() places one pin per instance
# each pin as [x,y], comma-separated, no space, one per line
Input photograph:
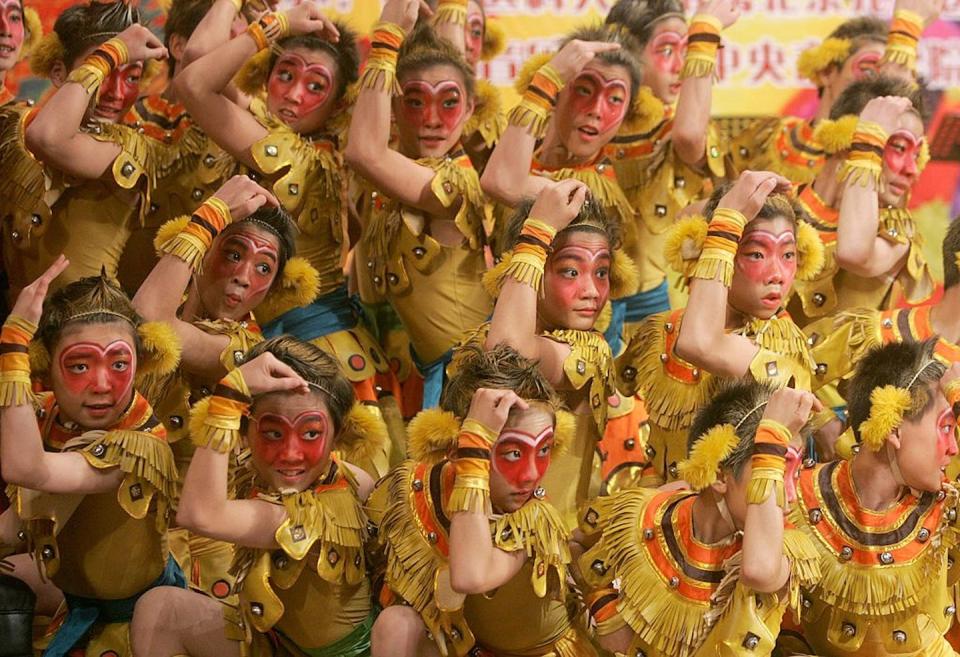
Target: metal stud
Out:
[846,553]
[197,194]
[743,151]
[98,450]
[819,299]
[333,557]
[505,534]
[664,358]
[419,251]
[660,210]
[377,280]
[455,634]
[597,567]
[418,485]
[15,234]
[581,367]
[539,492]
[238,357]
[941,495]
[629,373]
[674,470]
[393,279]
[950,610]
[695,373]
[280,560]
[674,582]
[21,535]
[35,219]
[815,515]
[629,444]
[952,515]
[886,558]
[648,533]
[256,609]
[751,641]
[714,151]
[892,232]
[812,340]
[601,167]
[679,182]
[821,369]
[209,160]
[432,537]
[808,463]
[848,629]
[293,188]
[127,170]
[668,327]
[47,553]
[807,603]
[887,323]
[271,150]
[923,535]
[899,636]
[298,533]
[650,451]
[772,369]
[640,653]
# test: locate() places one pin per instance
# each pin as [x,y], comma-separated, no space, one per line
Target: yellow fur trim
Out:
[252,76]
[160,350]
[488,118]
[47,52]
[685,242]
[298,287]
[529,68]
[431,435]
[700,468]
[151,70]
[810,252]
[646,112]
[814,61]
[39,358]
[836,136]
[624,279]
[494,39]
[887,406]
[168,231]
[565,428]
[362,438]
[924,158]
[34,27]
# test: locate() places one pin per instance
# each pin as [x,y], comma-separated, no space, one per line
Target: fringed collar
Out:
[913,325]
[57,432]
[600,176]
[159,118]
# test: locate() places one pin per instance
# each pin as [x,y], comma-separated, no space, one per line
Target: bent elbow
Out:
[763,577]
[38,138]
[496,187]
[188,518]
[690,348]
[690,148]
[467,583]
[853,260]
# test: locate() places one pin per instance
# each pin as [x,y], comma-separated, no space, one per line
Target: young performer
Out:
[295,516]
[20,32]
[287,136]
[741,267]
[858,202]
[883,522]
[665,166]
[100,173]
[476,558]
[95,479]
[484,39]
[423,243]
[709,571]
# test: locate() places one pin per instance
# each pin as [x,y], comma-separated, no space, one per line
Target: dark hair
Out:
[424,48]
[855,97]
[894,364]
[592,218]
[90,300]
[624,57]
[344,52]
[315,366]
[738,404]
[82,26]
[277,222]
[501,367]
[776,205]
[183,18]
[860,29]
[951,247]
[639,17]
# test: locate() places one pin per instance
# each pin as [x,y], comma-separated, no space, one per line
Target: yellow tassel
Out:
[431,434]
[151,70]
[488,119]
[15,389]
[538,530]
[924,158]
[698,67]
[362,438]
[298,287]
[47,52]
[646,113]
[887,406]
[223,438]
[252,76]
[801,553]
[713,268]
[624,278]
[381,78]
[813,61]
[700,468]
[861,172]
[535,120]
[493,277]
[468,498]
[494,39]
[684,243]
[168,231]
[161,349]
[529,69]
[31,21]
[189,248]
[525,268]
[836,135]
[763,482]
[810,252]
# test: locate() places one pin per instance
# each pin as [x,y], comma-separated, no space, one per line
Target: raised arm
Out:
[54,135]
[203,85]
[450,22]
[205,507]
[507,177]
[476,564]
[910,17]
[213,30]
[860,249]
[368,144]
[696,91]
[514,320]
[703,339]
[774,461]
[23,460]
[161,294]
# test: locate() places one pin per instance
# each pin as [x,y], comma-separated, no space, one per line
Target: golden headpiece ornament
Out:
[889,405]
[814,61]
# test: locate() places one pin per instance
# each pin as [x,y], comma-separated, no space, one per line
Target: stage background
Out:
[757,67]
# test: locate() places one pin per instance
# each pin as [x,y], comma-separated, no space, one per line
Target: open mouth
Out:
[772,300]
[6,51]
[98,410]
[287,115]
[291,474]
[588,132]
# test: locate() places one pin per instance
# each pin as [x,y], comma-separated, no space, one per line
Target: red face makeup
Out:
[118,92]
[291,447]
[901,153]
[598,104]
[947,433]
[11,30]
[769,261]
[434,109]
[297,87]
[577,283]
[243,267]
[666,51]
[105,374]
[864,64]
[473,36]
[522,458]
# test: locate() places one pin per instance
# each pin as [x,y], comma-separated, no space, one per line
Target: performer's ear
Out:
[177,44]
[58,73]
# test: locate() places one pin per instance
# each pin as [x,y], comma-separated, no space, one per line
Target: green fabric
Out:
[355,644]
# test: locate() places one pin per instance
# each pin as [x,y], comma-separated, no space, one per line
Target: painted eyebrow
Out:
[233,239]
[580,258]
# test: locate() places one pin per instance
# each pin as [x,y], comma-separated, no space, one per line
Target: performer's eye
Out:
[77,368]
[311,435]
[317,87]
[544,451]
[285,76]
[603,272]
[264,269]
[121,366]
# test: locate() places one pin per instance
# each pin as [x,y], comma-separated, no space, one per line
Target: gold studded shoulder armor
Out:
[781,144]
[590,363]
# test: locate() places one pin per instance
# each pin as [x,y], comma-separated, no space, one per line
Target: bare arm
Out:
[450,23]
[212,31]
[54,134]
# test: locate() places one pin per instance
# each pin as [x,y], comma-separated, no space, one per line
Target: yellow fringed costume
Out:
[414,529]
[204,166]
[786,145]
[313,593]
[680,597]
[836,289]
[48,213]
[674,389]
[884,584]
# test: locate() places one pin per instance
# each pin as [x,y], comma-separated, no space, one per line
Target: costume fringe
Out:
[48,51]
[624,277]
[333,517]
[529,69]
[780,335]
[801,552]
[381,79]
[604,190]
[646,113]
[22,182]
[298,286]
[535,121]
[469,499]
[31,21]
[714,269]
[661,618]
[538,530]
[15,389]
[171,240]
[221,435]
[698,67]
[524,271]
[431,434]
[817,59]
[161,349]
[865,174]
[362,437]
[763,483]
[887,406]
[493,277]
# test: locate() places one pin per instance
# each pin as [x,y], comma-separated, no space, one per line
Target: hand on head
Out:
[266,373]
[559,203]
[751,190]
[244,197]
[29,303]
[491,406]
